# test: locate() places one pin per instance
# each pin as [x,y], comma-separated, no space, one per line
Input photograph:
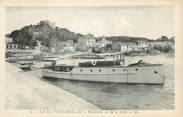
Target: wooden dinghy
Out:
[25,67]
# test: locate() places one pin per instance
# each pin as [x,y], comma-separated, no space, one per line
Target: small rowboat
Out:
[25,63]
[25,67]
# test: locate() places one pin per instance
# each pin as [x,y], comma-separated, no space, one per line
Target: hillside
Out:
[48,34]
[126,39]
[43,32]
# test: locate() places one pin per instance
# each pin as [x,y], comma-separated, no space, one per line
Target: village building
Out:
[103,42]
[69,45]
[143,44]
[60,47]
[86,43]
[124,47]
[8,40]
[139,46]
[132,47]
[44,50]
[116,46]
[10,44]
[54,46]
[13,46]
[14,49]
[51,24]
[37,48]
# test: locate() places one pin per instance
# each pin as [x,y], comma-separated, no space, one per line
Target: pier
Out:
[24,91]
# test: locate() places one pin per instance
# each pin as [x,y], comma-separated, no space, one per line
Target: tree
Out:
[163,48]
[21,37]
[172,39]
[108,46]
[163,38]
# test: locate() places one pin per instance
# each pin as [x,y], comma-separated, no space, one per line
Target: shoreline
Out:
[92,92]
[148,54]
[24,92]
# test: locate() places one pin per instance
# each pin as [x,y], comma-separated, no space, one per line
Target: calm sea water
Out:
[113,96]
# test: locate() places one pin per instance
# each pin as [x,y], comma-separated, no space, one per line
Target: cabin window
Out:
[61,69]
[99,70]
[113,70]
[136,69]
[155,72]
[67,69]
[81,70]
[91,70]
[57,69]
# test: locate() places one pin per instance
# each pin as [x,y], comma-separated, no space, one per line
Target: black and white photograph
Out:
[66,58]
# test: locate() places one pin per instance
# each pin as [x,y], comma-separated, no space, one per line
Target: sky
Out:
[139,21]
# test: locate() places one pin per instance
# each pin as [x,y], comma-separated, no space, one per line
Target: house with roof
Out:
[102,43]
[11,45]
[139,46]
[86,43]
[69,45]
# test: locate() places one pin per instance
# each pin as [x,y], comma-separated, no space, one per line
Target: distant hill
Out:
[126,39]
[47,33]
[44,32]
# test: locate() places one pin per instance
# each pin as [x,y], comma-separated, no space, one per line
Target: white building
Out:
[10,44]
[37,48]
[8,40]
[103,42]
[51,24]
[142,44]
[129,47]
[87,42]
[13,46]
[124,47]
[69,45]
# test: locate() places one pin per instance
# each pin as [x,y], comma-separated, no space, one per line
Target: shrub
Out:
[163,48]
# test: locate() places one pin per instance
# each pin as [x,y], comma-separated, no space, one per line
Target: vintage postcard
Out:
[91,58]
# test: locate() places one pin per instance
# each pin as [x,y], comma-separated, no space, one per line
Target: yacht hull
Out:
[144,75]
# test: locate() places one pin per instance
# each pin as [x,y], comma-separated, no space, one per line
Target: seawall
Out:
[25,91]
